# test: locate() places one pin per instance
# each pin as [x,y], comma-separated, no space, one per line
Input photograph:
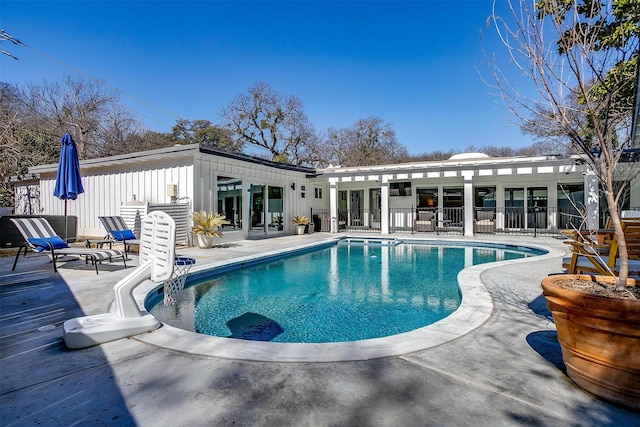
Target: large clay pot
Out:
[204,242]
[600,339]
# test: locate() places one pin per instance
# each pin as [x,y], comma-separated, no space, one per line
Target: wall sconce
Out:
[293,185]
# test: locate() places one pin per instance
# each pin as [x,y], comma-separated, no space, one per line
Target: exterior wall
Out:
[148,177]
[519,173]
[634,202]
[106,188]
[145,177]
[209,167]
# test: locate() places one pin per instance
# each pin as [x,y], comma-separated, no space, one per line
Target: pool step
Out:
[370,241]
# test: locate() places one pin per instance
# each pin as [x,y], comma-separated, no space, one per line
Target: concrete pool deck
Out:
[503,367]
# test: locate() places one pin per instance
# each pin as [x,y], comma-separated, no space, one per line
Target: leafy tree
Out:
[204,132]
[583,80]
[139,141]
[265,119]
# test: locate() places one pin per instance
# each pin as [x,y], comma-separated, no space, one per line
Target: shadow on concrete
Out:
[546,344]
[42,382]
[539,307]
[226,245]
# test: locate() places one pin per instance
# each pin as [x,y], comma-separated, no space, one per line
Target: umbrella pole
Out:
[65,222]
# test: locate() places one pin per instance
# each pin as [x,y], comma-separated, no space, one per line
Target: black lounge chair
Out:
[39,236]
[119,231]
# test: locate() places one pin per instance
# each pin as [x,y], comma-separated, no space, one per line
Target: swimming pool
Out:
[336,294]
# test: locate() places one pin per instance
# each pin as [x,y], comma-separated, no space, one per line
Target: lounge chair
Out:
[119,231]
[40,237]
[425,221]
[485,222]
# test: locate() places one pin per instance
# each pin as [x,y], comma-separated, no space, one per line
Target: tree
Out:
[87,109]
[22,143]
[270,121]
[332,147]
[369,141]
[583,80]
[139,141]
[32,120]
[204,132]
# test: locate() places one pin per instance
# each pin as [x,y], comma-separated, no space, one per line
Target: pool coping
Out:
[475,309]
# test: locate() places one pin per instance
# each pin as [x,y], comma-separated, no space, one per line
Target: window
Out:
[452,197]
[484,197]
[400,189]
[275,193]
[317,192]
[570,202]
[427,197]
[230,201]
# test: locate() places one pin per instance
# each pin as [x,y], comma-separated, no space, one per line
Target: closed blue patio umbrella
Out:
[68,179]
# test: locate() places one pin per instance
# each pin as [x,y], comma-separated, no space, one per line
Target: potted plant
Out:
[206,227]
[599,334]
[587,83]
[301,222]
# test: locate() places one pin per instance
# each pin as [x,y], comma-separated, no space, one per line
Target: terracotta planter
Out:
[600,340]
[204,242]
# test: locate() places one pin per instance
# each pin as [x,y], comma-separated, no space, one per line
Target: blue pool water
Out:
[340,293]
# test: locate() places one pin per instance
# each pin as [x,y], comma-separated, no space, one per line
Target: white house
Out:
[467,194]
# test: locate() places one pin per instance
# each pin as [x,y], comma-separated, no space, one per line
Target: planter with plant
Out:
[582,60]
[301,222]
[206,226]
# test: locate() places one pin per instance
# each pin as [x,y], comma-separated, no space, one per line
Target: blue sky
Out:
[416,65]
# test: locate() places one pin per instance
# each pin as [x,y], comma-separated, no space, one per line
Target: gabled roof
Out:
[255,160]
[140,156]
[174,152]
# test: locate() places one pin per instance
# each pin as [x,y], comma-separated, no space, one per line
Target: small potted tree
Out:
[206,226]
[301,222]
[582,58]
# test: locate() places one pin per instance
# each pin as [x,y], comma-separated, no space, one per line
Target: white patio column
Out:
[500,207]
[246,207]
[384,205]
[552,203]
[333,203]
[592,200]
[468,202]
[265,209]
[440,206]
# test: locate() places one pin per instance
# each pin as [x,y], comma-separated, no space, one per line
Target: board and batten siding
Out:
[105,190]
[209,168]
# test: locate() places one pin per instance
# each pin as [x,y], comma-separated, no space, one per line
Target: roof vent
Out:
[467,156]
